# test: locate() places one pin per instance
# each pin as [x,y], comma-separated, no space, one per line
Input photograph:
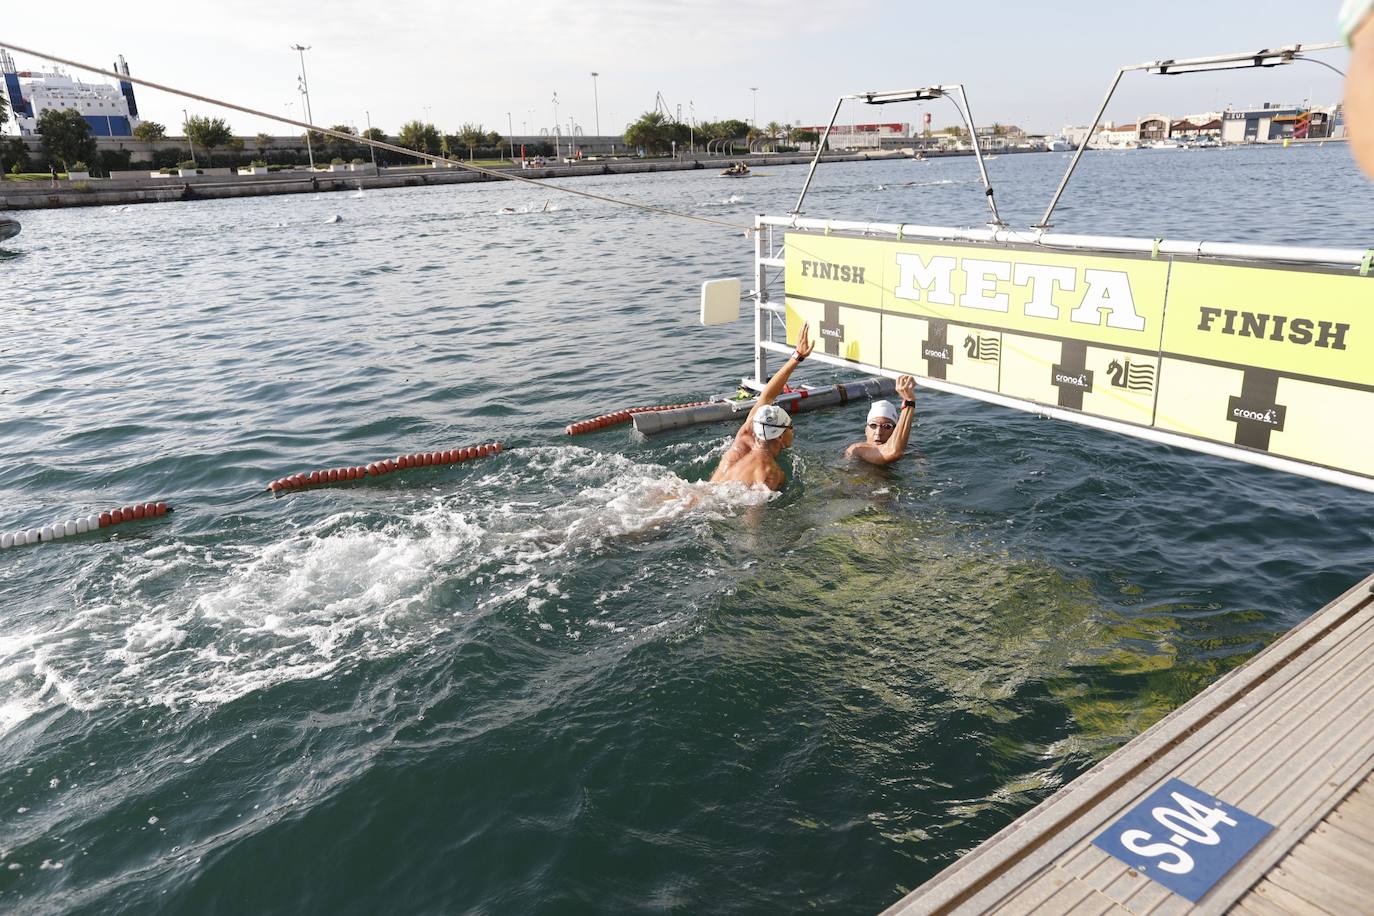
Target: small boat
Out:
[738,170]
[9,228]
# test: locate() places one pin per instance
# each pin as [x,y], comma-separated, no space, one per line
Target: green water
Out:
[574,678]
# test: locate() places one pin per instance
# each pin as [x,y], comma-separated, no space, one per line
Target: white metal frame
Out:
[924,94]
[1246,60]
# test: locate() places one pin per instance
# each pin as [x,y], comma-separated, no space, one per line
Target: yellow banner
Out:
[1258,358]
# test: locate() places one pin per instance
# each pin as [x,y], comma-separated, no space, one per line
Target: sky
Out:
[1039,64]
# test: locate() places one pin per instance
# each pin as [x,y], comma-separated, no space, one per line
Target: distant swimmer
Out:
[888,428]
[753,457]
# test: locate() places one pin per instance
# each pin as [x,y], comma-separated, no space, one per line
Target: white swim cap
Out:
[770,422]
[883,409]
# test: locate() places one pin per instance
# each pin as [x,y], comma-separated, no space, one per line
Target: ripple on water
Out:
[573,676]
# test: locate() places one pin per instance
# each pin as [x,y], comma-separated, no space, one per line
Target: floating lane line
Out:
[332,476]
[83,524]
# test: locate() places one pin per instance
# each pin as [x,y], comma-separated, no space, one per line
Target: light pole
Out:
[371,140]
[305,94]
[755,90]
[596,101]
[309,149]
[186,126]
[510,131]
[557,146]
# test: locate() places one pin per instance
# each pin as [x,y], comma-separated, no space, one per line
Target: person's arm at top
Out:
[895,446]
[779,379]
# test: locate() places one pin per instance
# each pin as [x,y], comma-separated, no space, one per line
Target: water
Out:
[572,678]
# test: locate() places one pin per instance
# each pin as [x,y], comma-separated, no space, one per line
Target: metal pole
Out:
[510,128]
[309,150]
[760,298]
[305,83]
[305,94]
[1073,163]
[368,114]
[596,101]
[978,154]
[817,158]
[557,139]
[755,90]
[186,126]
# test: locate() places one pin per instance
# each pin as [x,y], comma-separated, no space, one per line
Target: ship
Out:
[111,111]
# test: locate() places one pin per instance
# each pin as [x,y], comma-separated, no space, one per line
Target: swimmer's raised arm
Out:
[779,379]
[882,452]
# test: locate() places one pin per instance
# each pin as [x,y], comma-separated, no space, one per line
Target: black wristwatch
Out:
[906,404]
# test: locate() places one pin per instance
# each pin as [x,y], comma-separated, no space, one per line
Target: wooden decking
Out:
[1288,737]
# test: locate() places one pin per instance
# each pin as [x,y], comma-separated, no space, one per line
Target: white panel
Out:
[720,301]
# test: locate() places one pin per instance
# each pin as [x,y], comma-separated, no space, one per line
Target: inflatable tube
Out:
[622,416]
[792,402]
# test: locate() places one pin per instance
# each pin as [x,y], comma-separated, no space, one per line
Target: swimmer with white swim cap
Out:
[888,428]
[753,457]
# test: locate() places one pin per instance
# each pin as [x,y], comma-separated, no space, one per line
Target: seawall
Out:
[96,192]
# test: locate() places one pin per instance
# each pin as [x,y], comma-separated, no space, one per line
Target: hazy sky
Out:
[1037,63]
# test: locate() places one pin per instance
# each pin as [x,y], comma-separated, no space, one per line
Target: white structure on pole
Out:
[596,102]
[305,94]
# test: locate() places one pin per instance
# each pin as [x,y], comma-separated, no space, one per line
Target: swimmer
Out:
[753,457]
[888,429]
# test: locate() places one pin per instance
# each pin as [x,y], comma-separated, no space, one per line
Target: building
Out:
[1117,136]
[865,136]
[1272,122]
[111,111]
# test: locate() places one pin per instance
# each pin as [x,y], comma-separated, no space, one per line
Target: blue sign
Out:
[1183,838]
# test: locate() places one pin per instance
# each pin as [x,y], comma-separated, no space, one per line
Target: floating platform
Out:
[1287,738]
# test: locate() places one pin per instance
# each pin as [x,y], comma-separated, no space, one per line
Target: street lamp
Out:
[597,103]
[305,94]
[510,135]
[186,126]
[755,90]
[557,146]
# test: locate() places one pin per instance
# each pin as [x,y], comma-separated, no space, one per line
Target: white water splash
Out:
[247,617]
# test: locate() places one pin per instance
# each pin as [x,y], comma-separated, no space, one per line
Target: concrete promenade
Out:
[35,195]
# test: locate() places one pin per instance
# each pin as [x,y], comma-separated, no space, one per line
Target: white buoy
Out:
[83,525]
[45,533]
[34,535]
[93,522]
[6,540]
[70,528]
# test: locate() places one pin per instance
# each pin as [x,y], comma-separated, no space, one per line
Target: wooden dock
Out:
[1288,737]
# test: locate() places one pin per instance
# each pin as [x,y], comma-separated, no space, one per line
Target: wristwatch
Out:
[906,404]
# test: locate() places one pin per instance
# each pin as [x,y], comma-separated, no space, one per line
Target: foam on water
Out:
[354,587]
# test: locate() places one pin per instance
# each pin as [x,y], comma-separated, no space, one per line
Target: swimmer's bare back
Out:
[749,462]
[751,459]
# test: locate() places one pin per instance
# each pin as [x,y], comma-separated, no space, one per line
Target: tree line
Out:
[656,133]
[67,143]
